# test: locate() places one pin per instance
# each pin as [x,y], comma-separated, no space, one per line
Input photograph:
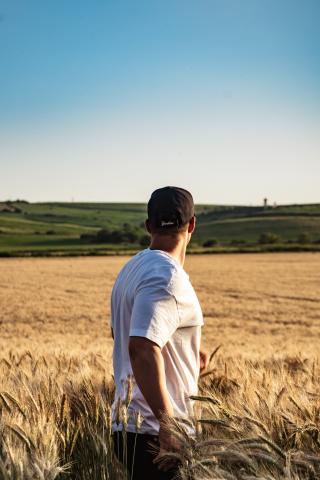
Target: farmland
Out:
[56,385]
[72,228]
[261,303]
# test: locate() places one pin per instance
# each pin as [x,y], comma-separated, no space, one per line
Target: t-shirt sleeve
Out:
[154,315]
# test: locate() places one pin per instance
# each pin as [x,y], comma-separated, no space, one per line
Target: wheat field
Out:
[258,410]
[256,305]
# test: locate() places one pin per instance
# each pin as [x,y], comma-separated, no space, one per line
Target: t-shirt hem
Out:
[132,429]
[145,431]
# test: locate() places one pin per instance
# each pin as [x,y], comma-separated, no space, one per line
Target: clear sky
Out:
[106,100]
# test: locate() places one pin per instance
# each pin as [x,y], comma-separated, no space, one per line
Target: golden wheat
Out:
[257,414]
[56,422]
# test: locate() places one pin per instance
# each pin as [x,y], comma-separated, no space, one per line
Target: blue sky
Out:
[108,99]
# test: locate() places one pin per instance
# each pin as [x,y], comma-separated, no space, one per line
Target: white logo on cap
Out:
[164,224]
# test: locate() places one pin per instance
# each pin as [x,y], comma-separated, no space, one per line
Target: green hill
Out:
[246,224]
[71,228]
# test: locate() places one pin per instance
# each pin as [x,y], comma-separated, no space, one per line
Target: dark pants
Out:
[140,450]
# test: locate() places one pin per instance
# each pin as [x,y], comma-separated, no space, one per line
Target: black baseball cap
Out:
[170,207]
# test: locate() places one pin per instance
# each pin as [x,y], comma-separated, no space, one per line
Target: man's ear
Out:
[192,224]
[147,225]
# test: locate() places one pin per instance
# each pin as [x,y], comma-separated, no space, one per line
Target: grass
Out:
[235,228]
[55,244]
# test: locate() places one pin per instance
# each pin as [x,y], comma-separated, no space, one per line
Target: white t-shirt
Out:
[153,298]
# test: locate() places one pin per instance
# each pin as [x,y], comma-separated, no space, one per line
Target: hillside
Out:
[41,228]
[246,224]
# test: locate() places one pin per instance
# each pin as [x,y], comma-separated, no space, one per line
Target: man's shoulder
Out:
[154,268]
[168,273]
[157,266]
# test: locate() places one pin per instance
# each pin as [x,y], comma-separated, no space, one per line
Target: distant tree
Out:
[144,240]
[50,232]
[88,237]
[104,236]
[127,235]
[210,243]
[236,241]
[267,238]
[117,236]
[304,238]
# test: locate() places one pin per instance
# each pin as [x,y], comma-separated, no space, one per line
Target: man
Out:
[156,322]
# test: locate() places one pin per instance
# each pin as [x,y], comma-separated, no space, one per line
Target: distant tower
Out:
[265,203]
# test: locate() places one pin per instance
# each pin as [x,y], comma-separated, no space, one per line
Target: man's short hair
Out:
[170,209]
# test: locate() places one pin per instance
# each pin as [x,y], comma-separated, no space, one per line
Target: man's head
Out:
[170,212]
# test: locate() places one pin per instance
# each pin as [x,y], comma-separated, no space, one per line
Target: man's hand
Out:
[204,360]
[168,443]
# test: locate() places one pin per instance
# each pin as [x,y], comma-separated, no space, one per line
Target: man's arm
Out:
[148,370]
[154,319]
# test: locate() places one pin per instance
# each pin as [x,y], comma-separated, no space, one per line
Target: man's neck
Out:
[176,248]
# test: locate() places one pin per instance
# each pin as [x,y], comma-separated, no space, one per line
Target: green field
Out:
[55,228]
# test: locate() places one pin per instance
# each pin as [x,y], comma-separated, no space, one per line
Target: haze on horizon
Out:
[108,100]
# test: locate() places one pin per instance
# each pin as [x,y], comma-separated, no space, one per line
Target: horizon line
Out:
[120,202]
